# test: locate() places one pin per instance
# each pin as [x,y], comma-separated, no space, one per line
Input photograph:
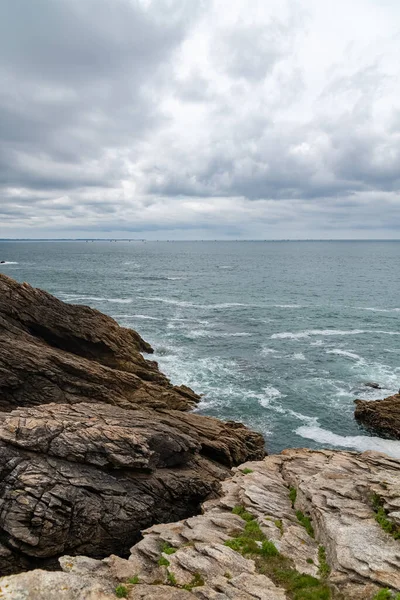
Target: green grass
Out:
[292,495]
[171,579]
[168,549]
[197,581]
[247,471]
[306,522]
[310,561]
[253,544]
[324,569]
[241,511]
[278,523]
[382,519]
[386,594]
[121,591]
[163,562]
[134,580]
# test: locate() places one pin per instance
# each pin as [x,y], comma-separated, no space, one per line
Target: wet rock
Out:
[381,416]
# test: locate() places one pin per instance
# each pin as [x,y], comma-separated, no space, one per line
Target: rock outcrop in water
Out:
[333,516]
[96,444]
[381,416]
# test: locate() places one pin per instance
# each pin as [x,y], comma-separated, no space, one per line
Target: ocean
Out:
[282,336]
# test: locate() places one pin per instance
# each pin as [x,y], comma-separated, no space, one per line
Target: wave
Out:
[266,351]
[299,356]
[77,297]
[185,303]
[9,262]
[384,310]
[228,267]
[344,353]
[270,393]
[326,332]
[134,265]
[356,442]
[286,306]
[143,317]
[198,333]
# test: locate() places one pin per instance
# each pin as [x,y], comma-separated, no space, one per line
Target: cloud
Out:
[169,117]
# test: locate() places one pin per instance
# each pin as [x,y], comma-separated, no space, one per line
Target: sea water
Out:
[282,336]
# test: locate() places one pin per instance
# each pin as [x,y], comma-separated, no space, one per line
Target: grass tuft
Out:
[163,562]
[134,580]
[386,594]
[306,522]
[382,519]
[324,569]
[241,512]
[292,495]
[121,591]
[168,549]
[247,471]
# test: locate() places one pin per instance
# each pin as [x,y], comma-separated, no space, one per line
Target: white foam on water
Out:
[299,356]
[120,300]
[75,297]
[203,333]
[356,442]
[175,278]
[384,310]
[286,305]
[143,317]
[266,351]
[312,332]
[9,262]
[270,393]
[327,332]
[226,267]
[317,343]
[184,303]
[134,265]
[340,352]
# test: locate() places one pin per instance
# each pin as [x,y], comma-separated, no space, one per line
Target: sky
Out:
[200,119]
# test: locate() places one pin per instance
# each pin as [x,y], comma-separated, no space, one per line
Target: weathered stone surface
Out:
[97,445]
[56,352]
[335,489]
[382,416]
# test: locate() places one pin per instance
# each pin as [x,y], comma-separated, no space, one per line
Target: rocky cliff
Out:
[302,525]
[101,457]
[381,416]
[96,444]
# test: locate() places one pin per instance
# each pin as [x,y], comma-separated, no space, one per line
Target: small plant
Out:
[168,549]
[197,581]
[278,523]
[292,496]
[134,580]
[171,579]
[247,471]
[382,519]
[241,512]
[268,549]
[324,568]
[384,594]
[228,575]
[306,522]
[163,562]
[310,561]
[121,591]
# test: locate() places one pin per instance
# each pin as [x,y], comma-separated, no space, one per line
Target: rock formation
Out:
[381,416]
[332,516]
[96,443]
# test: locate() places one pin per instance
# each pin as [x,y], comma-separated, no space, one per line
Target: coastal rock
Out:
[381,416]
[96,443]
[344,545]
[51,351]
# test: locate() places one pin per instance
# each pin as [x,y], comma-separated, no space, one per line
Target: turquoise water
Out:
[279,335]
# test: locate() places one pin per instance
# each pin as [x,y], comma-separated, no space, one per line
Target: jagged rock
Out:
[87,478]
[97,445]
[336,491]
[56,352]
[381,416]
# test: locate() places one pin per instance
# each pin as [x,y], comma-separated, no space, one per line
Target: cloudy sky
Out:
[200,119]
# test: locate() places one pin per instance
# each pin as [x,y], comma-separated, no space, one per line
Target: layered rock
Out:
[337,491]
[96,443]
[381,416]
[56,352]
